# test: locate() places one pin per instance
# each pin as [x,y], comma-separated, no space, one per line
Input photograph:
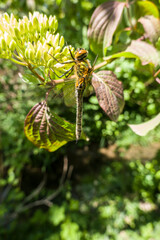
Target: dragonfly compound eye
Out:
[80,54]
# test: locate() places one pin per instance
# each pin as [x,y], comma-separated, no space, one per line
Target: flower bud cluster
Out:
[32,40]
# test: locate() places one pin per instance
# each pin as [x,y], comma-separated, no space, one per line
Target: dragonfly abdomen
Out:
[79,109]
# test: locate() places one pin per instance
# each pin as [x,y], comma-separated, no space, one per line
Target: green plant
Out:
[42,51]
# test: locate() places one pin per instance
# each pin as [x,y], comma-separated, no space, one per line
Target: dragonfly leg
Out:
[67,73]
[71,54]
[67,62]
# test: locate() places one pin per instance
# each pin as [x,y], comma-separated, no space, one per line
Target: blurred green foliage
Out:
[116,200]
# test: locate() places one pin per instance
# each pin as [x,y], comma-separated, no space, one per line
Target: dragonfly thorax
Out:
[80,54]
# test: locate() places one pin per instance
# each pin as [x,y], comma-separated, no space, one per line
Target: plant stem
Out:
[128,13]
[35,73]
[18,62]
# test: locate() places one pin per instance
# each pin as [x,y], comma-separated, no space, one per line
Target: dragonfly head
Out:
[80,54]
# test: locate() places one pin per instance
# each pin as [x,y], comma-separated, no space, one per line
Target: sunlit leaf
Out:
[145,51]
[109,92]
[47,130]
[119,55]
[151,26]
[103,24]
[144,8]
[29,78]
[143,128]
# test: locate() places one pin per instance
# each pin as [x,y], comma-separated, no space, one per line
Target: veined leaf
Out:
[109,92]
[151,26]
[145,51]
[146,8]
[29,78]
[143,128]
[103,24]
[47,130]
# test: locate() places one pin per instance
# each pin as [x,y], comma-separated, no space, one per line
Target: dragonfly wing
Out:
[69,93]
[66,90]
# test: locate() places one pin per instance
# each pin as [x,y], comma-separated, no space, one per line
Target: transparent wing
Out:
[66,90]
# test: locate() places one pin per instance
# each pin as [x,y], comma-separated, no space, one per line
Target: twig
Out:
[44,201]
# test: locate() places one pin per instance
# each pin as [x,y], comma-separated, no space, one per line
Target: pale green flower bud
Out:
[50,63]
[30,46]
[3,44]
[57,55]
[25,19]
[21,27]
[65,51]
[30,16]
[7,38]
[13,20]
[56,40]
[45,21]
[7,18]
[30,27]
[25,25]
[35,22]
[49,38]
[57,50]
[61,41]
[55,24]
[46,56]
[50,51]
[39,52]
[31,54]
[11,30]
[17,33]
[27,53]
[12,45]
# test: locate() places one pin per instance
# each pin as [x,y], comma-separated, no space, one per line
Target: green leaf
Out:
[151,26]
[70,230]
[143,128]
[120,54]
[47,130]
[103,24]
[57,214]
[109,92]
[146,8]
[145,51]
[28,78]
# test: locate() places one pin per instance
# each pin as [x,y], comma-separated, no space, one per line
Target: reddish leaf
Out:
[158,80]
[103,24]
[151,26]
[109,92]
[145,51]
[47,130]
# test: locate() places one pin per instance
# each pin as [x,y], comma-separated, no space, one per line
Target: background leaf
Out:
[29,78]
[109,92]
[144,8]
[151,26]
[119,55]
[143,128]
[145,51]
[103,24]
[47,130]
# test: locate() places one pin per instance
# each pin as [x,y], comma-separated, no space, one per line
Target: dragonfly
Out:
[83,72]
